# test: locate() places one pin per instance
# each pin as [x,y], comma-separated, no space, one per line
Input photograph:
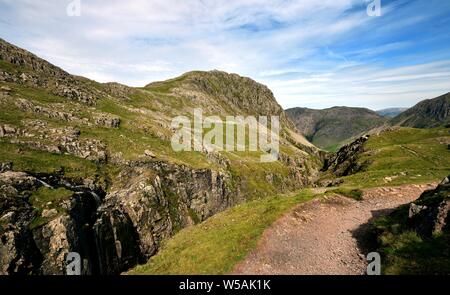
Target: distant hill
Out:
[330,128]
[426,114]
[391,112]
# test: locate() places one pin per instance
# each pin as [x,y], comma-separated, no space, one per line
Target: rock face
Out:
[55,140]
[111,234]
[429,215]
[29,248]
[134,220]
[344,162]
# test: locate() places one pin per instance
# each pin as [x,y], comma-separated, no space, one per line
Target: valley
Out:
[89,167]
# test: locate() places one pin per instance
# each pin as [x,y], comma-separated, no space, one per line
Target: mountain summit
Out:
[88,167]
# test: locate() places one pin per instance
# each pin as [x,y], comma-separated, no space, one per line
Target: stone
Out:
[107,120]
[5,167]
[415,209]
[429,215]
[149,153]
[49,213]
[5,89]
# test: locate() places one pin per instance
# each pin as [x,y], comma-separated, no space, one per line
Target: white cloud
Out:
[302,49]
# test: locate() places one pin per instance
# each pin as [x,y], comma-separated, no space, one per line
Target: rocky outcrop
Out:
[150,202]
[429,215]
[152,206]
[99,119]
[37,135]
[345,161]
[107,120]
[35,239]
[40,73]
[118,90]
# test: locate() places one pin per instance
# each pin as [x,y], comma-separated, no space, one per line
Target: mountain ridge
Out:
[88,167]
[428,113]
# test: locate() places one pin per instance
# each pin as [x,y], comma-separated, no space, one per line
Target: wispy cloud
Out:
[311,53]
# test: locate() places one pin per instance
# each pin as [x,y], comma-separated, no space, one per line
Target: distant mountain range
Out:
[391,112]
[330,128]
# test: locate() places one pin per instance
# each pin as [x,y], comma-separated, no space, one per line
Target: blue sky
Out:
[311,53]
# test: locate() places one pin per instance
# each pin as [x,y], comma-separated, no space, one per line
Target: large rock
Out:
[345,161]
[429,215]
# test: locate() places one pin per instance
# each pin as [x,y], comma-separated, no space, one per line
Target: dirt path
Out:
[325,236]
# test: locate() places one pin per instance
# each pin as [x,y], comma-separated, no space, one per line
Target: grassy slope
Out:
[400,157]
[216,245]
[404,156]
[135,134]
[405,252]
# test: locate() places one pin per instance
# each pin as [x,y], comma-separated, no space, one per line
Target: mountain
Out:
[88,167]
[426,114]
[391,112]
[330,128]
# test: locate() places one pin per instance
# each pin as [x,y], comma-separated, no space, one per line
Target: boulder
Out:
[429,215]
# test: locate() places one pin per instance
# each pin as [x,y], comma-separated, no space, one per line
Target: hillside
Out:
[88,167]
[331,128]
[429,113]
[391,112]
[415,238]
[391,157]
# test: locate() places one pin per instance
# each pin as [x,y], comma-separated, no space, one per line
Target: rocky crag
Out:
[88,167]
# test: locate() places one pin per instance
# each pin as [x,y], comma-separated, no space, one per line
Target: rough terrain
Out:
[326,235]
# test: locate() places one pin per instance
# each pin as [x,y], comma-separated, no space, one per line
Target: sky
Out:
[310,53]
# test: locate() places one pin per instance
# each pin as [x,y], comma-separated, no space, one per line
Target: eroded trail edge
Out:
[327,235]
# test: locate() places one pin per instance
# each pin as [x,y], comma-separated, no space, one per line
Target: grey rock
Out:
[433,216]
[415,209]
[345,161]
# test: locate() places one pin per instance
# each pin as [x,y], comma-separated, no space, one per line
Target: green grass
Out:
[26,159]
[44,195]
[333,148]
[166,86]
[47,198]
[355,194]
[403,156]
[217,244]
[405,252]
